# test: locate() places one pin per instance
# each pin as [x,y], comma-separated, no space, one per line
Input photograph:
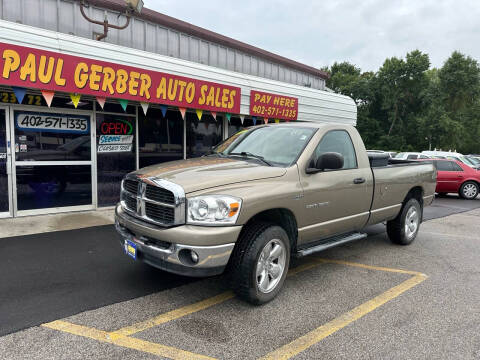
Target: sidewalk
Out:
[30,225]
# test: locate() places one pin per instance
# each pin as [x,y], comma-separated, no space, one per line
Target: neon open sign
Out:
[116,127]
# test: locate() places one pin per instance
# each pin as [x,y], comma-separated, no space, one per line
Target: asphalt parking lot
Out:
[368,299]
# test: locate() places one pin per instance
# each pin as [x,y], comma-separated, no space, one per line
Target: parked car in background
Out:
[454,176]
[411,156]
[453,156]
[389,153]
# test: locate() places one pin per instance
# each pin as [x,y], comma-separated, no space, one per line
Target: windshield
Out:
[463,159]
[474,160]
[278,145]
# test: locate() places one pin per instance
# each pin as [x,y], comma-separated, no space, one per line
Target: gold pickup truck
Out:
[265,194]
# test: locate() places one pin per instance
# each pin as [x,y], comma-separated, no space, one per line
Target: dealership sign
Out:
[273,106]
[46,70]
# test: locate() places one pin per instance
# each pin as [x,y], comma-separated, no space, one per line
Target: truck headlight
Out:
[213,210]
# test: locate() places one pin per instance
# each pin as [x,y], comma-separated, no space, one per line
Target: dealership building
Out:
[79,110]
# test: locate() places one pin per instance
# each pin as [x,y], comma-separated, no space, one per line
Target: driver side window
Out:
[338,141]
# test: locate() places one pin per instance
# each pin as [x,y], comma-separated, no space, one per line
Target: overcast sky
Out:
[318,32]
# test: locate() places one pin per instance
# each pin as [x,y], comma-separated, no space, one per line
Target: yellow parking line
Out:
[314,336]
[174,314]
[124,341]
[193,308]
[369,267]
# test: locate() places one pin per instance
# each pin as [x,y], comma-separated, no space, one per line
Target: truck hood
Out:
[207,172]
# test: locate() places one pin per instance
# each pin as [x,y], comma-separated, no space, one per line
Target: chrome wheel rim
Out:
[411,222]
[470,191]
[270,266]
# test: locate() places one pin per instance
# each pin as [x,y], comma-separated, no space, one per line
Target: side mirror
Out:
[326,161]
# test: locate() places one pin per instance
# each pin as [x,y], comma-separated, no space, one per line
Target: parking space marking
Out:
[122,337]
[311,338]
[125,341]
[193,308]
[174,314]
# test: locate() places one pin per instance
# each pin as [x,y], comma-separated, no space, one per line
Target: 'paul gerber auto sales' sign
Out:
[46,70]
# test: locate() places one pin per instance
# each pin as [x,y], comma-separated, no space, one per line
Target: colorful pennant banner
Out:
[123,103]
[75,99]
[242,118]
[265,120]
[163,109]
[145,107]
[199,114]
[19,93]
[214,114]
[101,101]
[48,96]
[183,111]
[228,116]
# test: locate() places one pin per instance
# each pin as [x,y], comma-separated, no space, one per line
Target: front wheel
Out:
[469,190]
[260,263]
[404,228]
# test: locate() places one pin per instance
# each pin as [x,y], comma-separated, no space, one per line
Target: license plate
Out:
[131,249]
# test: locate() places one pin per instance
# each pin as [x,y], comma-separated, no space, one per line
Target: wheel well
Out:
[281,217]
[415,193]
[471,180]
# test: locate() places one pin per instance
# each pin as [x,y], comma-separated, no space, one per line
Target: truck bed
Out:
[393,179]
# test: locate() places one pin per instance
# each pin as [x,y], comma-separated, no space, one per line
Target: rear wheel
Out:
[469,190]
[260,263]
[404,228]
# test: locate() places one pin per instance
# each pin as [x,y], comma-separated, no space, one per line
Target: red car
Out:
[456,177]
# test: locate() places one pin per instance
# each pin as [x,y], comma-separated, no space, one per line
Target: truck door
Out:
[336,201]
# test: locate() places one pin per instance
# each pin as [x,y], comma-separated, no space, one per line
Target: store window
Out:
[160,138]
[202,135]
[49,150]
[116,155]
[236,125]
[51,137]
[52,186]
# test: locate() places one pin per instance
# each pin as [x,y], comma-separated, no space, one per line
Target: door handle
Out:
[359,180]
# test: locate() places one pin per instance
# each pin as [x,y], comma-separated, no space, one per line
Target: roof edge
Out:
[185,27]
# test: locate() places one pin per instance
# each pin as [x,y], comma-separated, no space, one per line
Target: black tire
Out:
[396,228]
[245,257]
[468,190]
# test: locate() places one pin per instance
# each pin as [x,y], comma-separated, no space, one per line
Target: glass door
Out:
[52,162]
[5,165]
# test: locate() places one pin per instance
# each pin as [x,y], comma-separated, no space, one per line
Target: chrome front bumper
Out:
[175,257]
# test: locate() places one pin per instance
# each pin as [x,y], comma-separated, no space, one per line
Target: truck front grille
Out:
[163,214]
[130,202]
[131,186]
[159,194]
[162,205]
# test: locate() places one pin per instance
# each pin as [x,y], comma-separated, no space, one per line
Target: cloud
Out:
[318,33]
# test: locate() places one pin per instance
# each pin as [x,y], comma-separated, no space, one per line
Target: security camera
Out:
[136,5]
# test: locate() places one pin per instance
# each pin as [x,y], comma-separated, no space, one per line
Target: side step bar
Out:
[332,242]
